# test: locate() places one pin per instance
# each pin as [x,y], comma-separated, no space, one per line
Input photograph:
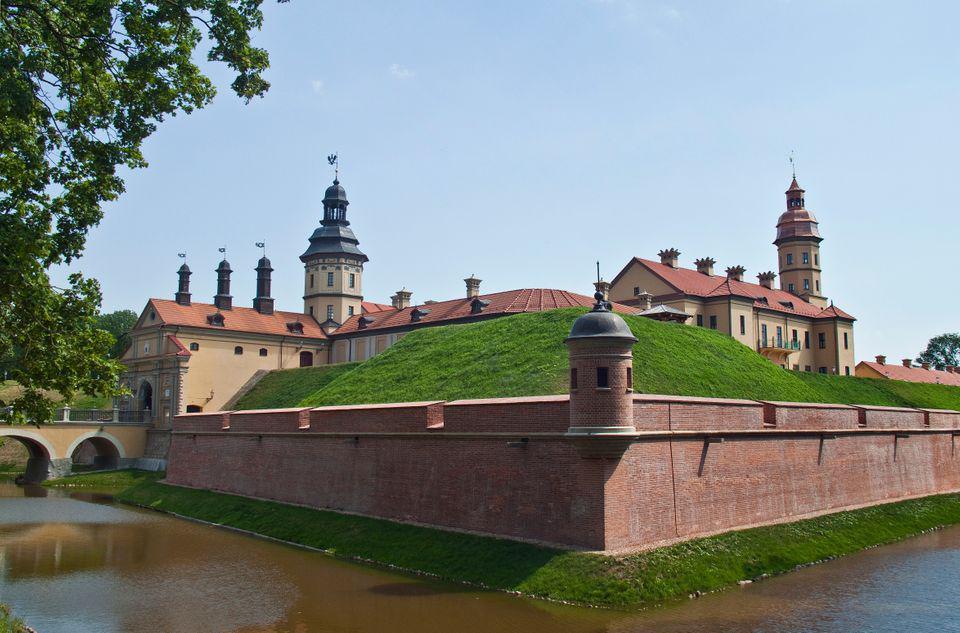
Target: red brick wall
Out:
[461,465]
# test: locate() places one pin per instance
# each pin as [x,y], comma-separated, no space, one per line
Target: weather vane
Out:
[223,249]
[182,255]
[793,163]
[334,160]
[263,248]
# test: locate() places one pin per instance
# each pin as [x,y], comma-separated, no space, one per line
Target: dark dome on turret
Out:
[600,323]
[335,193]
[264,263]
[184,269]
[224,265]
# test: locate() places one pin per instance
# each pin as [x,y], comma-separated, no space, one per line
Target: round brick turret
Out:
[600,345]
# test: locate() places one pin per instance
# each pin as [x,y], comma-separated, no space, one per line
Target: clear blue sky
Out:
[521,141]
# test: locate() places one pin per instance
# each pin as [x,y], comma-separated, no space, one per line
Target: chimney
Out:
[669,257]
[603,287]
[925,366]
[183,288]
[222,299]
[263,303]
[766,279]
[736,273]
[473,286]
[950,369]
[881,360]
[907,362]
[645,300]
[705,265]
[401,300]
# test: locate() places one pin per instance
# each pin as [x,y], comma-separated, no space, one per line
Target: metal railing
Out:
[772,343]
[103,416]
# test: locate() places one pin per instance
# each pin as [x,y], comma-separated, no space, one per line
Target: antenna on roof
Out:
[793,163]
[263,248]
[334,160]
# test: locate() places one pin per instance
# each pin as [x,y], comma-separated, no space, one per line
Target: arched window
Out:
[194,347]
[263,351]
[238,350]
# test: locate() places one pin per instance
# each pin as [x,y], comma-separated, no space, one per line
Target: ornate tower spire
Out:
[223,300]
[798,245]
[183,287]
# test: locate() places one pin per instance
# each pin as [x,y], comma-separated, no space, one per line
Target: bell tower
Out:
[798,246]
[333,263]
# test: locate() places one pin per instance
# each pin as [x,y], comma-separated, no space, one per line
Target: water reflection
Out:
[71,565]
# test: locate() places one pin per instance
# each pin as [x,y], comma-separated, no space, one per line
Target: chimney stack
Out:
[881,360]
[766,279]
[603,287]
[736,273]
[263,302]
[645,300]
[950,369]
[669,257]
[222,299]
[925,366]
[183,288]
[473,286]
[907,362]
[705,265]
[401,299]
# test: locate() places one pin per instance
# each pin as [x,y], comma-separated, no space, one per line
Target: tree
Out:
[82,84]
[941,351]
[118,324]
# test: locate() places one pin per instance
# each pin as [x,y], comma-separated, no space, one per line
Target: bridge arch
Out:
[36,444]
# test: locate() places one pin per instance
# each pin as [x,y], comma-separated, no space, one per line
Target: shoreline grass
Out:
[634,581]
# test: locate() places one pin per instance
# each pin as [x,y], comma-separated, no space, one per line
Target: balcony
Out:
[778,351]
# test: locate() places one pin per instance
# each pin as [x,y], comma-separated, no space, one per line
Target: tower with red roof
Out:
[798,248]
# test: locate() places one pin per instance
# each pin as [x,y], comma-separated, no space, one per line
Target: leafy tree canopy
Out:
[82,84]
[941,351]
[118,324]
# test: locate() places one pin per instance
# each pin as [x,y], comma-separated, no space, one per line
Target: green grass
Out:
[524,355]
[8,623]
[288,387]
[644,579]
[108,482]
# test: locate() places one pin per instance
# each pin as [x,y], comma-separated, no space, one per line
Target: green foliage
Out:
[524,355]
[643,579]
[82,85]
[941,351]
[118,324]
[288,387]
[9,624]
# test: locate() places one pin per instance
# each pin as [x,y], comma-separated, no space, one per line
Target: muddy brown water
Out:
[81,564]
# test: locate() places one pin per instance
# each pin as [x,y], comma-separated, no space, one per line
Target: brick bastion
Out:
[602,468]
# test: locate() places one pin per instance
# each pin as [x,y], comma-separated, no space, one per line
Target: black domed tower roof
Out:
[600,323]
[334,236]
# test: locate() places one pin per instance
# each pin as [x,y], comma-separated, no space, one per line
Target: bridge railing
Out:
[103,416]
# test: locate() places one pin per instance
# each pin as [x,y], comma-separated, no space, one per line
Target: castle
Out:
[188,357]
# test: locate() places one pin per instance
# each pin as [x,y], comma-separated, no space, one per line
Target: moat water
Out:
[82,564]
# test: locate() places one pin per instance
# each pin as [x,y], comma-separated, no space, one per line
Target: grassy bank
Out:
[524,355]
[10,624]
[638,580]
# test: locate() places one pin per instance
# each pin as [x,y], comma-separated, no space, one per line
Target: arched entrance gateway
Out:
[145,396]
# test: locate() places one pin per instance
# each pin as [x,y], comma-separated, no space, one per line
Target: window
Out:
[846,370]
[846,341]
[353,280]
[238,350]
[263,351]
[573,378]
[194,408]
[311,310]
[822,370]
[805,257]
[329,279]
[806,284]
[779,336]
[743,324]
[791,287]
[793,336]
[818,285]
[350,310]
[603,378]
[822,340]
[796,368]
[330,312]
[153,315]
[807,368]
[806,341]
[816,259]
[636,291]
[194,347]
[311,280]
[629,378]
[713,321]
[146,348]
[763,335]
[700,320]
[789,259]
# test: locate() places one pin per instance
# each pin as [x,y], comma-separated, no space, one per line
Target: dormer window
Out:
[295,328]
[215,319]
[477,305]
[364,322]
[787,304]
[418,313]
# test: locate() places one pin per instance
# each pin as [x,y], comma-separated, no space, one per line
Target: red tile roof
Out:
[236,320]
[501,303]
[691,282]
[914,374]
[370,306]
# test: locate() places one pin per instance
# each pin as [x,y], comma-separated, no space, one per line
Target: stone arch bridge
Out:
[117,444]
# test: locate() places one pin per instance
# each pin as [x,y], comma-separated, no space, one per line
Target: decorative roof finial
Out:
[793,163]
[334,160]
[182,256]
[263,248]
[601,304]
